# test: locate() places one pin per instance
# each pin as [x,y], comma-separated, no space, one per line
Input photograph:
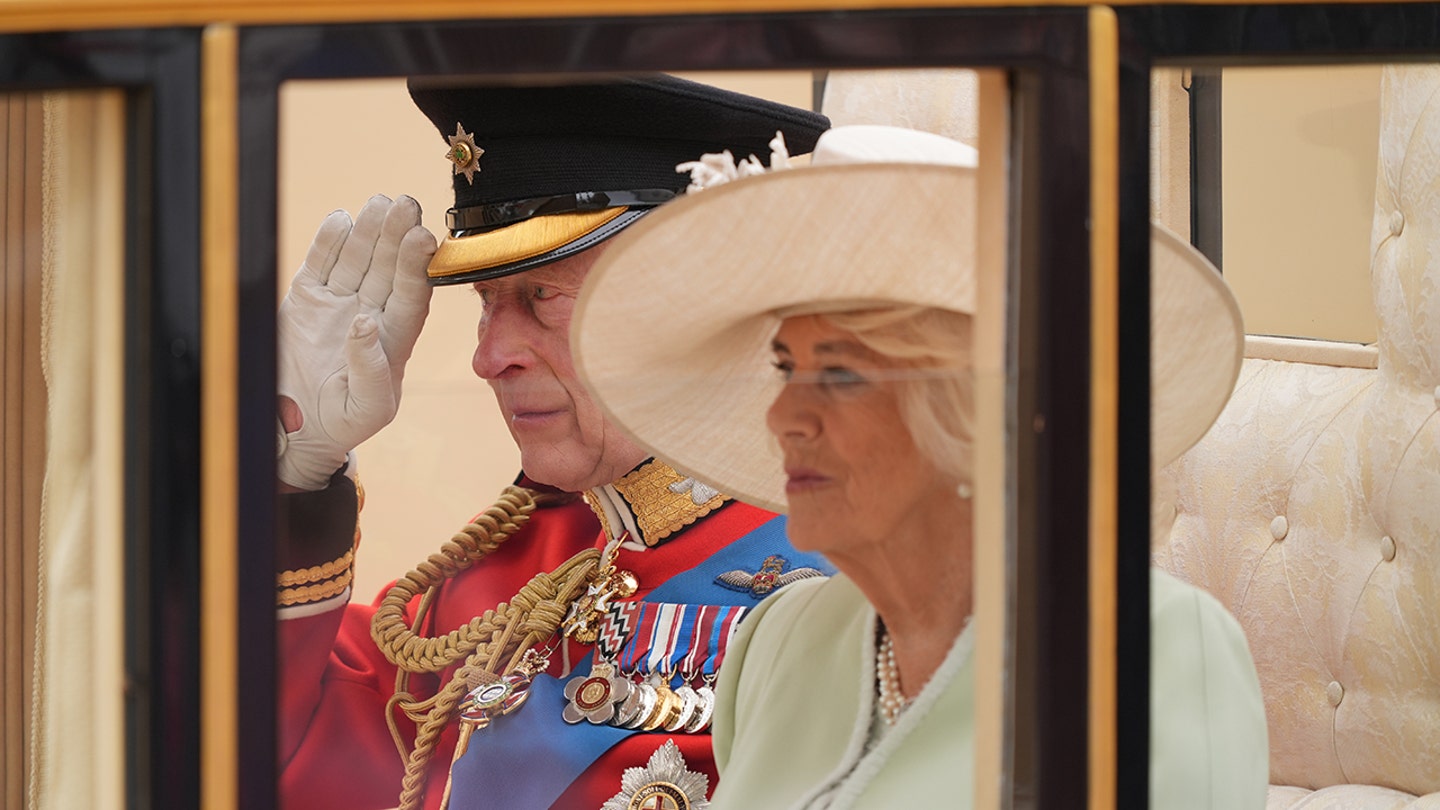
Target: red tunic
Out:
[335,747]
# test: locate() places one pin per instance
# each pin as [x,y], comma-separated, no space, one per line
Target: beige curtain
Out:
[77,746]
[22,411]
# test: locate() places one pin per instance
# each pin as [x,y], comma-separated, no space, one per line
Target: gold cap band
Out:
[513,243]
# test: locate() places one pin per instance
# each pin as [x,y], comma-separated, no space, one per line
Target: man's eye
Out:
[542,293]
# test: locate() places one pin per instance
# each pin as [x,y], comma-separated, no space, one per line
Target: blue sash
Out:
[526,760]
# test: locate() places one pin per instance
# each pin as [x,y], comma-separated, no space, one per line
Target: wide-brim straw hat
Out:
[673,329]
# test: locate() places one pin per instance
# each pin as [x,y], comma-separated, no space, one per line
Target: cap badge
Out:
[464,153]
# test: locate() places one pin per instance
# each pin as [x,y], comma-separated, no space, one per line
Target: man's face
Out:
[524,353]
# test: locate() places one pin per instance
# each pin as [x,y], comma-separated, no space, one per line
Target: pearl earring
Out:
[965,491]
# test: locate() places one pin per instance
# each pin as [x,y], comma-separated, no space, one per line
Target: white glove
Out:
[346,328]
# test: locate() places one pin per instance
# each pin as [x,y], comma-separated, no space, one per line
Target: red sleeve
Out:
[335,746]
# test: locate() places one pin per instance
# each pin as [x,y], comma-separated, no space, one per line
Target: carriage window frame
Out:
[1045,55]
[158,72]
[1205,39]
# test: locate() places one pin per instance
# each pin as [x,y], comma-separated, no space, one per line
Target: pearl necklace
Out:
[887,675]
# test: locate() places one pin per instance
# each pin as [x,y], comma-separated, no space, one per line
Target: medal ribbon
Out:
[666,623]
[615,628]
[664,637]
[698,649]
[636,650]
[683,638]
[720,640]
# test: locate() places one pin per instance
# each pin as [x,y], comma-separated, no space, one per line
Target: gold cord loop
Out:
[403,646]
[491,644]
[513,632]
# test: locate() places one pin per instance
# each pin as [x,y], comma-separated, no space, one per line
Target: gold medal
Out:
[667,708]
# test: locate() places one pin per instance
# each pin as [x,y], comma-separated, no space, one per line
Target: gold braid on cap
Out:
[492,643]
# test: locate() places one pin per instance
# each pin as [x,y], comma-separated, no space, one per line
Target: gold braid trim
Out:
[315,573]
[313,593]
[529,619]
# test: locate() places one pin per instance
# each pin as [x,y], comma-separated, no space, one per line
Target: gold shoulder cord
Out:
[501,635]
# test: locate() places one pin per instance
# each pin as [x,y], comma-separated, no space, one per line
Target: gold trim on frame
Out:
[219,511]
[48,15]
[994,619]
[1104,413]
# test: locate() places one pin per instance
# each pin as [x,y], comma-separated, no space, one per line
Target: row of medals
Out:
[608,697]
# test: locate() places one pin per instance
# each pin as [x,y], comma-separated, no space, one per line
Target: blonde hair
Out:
[937,409]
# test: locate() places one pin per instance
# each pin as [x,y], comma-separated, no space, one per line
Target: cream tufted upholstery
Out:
[1312,509]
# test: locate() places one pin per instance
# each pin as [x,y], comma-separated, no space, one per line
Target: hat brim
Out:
[1197,343]
[673,329]
[525,245]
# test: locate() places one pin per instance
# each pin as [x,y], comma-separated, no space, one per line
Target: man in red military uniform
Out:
[558,652]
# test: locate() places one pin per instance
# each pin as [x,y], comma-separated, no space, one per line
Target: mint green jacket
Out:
[796,695]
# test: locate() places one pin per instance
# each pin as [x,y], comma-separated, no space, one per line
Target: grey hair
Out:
[937,409]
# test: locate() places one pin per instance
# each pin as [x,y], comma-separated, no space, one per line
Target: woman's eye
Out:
[840,377]
[785,367]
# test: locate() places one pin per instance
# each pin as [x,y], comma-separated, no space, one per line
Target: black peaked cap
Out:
[541,141]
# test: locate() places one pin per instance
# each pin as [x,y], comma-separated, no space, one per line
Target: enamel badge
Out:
[594,697]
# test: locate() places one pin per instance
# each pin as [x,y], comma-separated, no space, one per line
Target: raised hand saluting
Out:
[346,329]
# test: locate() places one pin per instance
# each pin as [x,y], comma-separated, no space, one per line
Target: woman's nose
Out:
[791,415]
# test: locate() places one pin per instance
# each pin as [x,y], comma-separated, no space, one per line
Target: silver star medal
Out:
[663,784]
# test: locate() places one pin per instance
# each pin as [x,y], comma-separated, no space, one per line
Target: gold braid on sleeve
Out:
[491,644]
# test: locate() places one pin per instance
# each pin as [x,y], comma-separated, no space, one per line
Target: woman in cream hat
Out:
[854,278]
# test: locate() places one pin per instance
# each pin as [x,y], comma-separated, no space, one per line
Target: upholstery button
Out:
[1335,693]
[1387,548]
[1279,527]
[1397,222]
